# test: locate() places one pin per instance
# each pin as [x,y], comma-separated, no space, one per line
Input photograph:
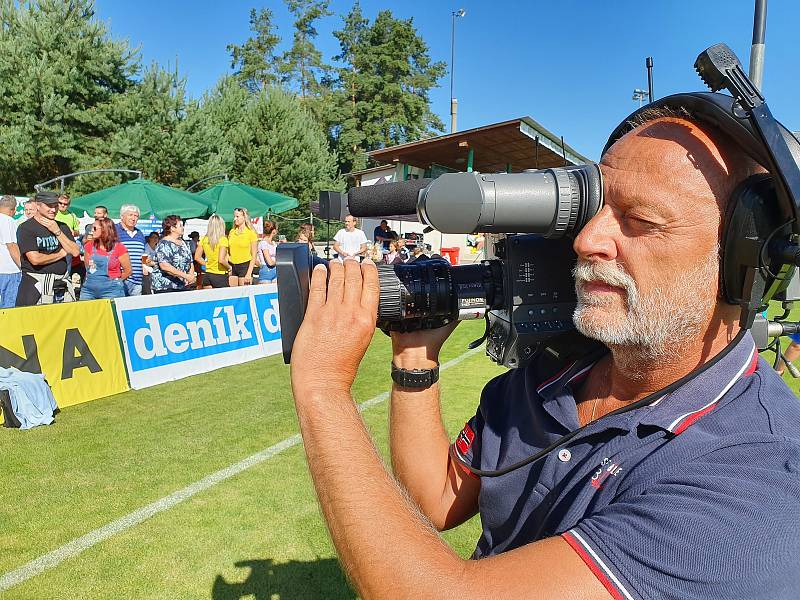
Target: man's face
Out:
[63,204]
[349,223]
[30,210]
[385,226]
[48,211]
[129,219]
[647,273]
[100,213]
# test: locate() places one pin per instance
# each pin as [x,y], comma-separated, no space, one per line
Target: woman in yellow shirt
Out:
[212,246]
[242,249]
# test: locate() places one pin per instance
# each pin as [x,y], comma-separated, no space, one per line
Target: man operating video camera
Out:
[696,495]
[666,464]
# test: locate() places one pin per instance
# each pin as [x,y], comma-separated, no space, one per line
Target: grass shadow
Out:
[294,579]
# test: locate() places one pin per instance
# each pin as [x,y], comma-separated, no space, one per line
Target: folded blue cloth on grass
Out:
[31,398]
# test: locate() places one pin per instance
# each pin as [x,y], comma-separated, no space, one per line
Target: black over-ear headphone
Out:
[759,238]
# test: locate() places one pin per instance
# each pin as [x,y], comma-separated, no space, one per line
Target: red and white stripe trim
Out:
[555,378]
[596,565]
[548,382]
[680,424]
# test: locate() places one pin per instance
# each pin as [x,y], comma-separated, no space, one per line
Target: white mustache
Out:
[608,273]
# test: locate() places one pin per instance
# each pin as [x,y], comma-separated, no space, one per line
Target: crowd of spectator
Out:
[386,247]
[44,258]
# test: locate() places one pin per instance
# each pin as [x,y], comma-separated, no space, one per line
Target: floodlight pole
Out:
[453,102]
[62,178]
[758,46]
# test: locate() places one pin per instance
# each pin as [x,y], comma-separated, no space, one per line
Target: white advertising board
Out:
[171,336]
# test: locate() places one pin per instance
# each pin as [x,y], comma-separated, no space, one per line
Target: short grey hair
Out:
[8,201]
[652,113]
[129,208]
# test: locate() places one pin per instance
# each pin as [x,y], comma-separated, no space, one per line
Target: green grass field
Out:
[258,534]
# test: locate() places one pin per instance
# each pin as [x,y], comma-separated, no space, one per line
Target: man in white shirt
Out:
[350,242]
[10,274]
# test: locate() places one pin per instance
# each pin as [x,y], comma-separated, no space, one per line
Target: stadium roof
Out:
[513,145]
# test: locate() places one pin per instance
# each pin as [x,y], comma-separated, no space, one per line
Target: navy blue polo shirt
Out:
[694,496]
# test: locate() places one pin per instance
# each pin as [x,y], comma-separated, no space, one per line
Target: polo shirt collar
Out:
[676,411]
[556,391]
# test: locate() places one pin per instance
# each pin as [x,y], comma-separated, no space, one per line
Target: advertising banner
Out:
[170,336]
[75,346]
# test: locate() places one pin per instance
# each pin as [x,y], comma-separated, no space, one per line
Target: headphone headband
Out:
[716,110]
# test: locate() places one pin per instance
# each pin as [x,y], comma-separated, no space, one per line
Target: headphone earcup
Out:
[752,218]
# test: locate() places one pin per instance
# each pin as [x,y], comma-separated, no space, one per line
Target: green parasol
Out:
[151,198]
[228,195]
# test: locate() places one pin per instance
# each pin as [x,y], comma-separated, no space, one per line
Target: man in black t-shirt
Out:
[46,249]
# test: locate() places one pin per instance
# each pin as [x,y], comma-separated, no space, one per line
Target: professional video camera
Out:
[525,288]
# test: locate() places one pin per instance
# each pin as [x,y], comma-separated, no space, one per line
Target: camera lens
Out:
[432,293]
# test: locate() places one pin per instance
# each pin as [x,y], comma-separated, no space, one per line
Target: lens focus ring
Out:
[392,294]
[568,198]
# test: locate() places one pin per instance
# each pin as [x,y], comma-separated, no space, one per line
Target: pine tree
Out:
[257,64]
[344,126]
[59,74]
[381,88]
[155,134]
[303,67]
[270,140]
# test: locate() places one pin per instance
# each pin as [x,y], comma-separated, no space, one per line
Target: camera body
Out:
[537,272]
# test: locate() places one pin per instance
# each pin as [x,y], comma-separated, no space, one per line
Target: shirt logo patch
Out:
[606,469]
[465,439]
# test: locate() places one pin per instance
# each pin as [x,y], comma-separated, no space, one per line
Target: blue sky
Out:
[571,65]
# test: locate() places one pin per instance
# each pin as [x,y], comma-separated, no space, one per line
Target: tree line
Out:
[74,98]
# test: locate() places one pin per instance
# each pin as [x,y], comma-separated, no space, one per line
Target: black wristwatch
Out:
[418,379]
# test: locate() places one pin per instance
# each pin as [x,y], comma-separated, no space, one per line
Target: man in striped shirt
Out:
[133,239]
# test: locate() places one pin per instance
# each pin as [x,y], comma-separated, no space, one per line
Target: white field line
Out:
[77,546]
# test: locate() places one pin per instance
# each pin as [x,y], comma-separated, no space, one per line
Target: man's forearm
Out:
[40,259]
[376,528]
[419,448]
[69,246]
[419,442]
[13,251]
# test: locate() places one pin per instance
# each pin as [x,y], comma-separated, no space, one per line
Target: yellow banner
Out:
[75,345]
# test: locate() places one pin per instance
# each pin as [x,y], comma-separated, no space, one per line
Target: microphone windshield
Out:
[386,199]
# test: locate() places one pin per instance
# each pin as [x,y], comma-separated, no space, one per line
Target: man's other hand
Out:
[337,328]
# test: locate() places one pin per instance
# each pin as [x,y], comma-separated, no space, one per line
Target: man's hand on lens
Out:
[337,328]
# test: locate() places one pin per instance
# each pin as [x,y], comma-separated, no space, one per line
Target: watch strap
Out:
[415,378]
